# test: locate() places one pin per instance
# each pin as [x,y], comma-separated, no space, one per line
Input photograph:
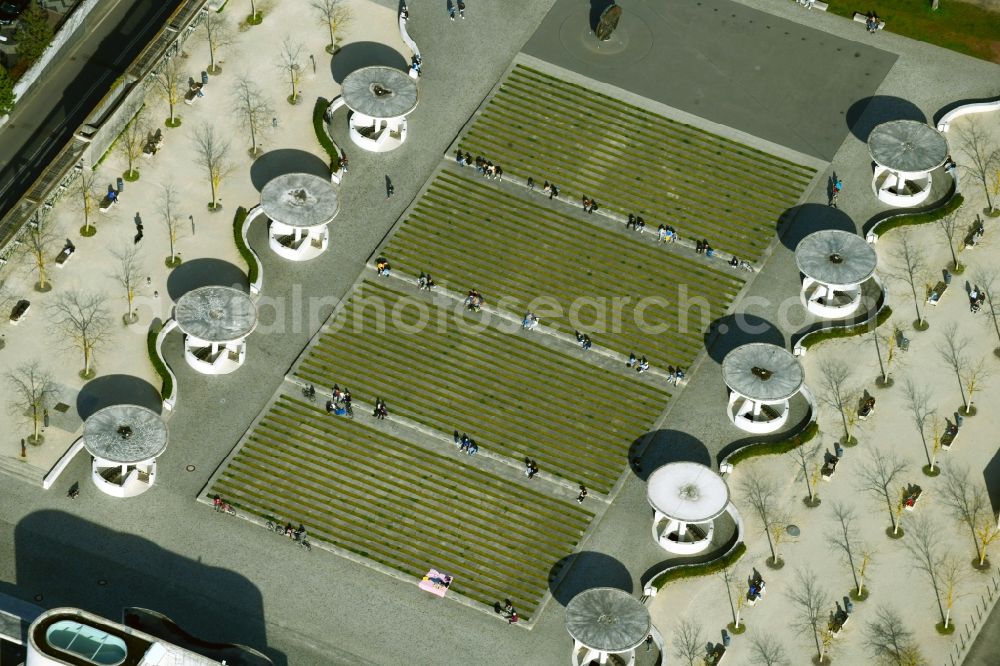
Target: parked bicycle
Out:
[222,506]
[296,535]
[309,392]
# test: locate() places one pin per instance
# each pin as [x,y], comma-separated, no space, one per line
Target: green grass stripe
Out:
[635,111]
[400,504]
[450,380]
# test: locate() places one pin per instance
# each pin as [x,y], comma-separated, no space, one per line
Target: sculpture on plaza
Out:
[608,22]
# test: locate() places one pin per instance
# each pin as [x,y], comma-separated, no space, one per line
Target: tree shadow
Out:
[866,114]
[739,328]
[276,163]
[116,390]
[586,570]
[205,273]
[799,221]
[356,55]
[597,8]
[663,447]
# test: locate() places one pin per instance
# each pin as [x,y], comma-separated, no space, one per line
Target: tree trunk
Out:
[36,419]
[213,192]
[947,618]
[253,137]
[916,302]
[86,359]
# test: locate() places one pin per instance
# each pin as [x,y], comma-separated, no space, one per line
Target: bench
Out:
[815,4]
[949,436]
[193,93]
[64,255]
[153,144]
[19,311]
[829,468]
[838,621]
[910,496]
[976,231]
[866,406]
[934,295]
[715,655]
[863,18]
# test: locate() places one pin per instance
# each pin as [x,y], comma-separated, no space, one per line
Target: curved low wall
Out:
[168,400]
[257,284]
[800,346]
[62,463]
[405,35]
[650,588]
[978,107]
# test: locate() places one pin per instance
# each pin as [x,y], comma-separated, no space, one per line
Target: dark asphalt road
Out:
[74,83]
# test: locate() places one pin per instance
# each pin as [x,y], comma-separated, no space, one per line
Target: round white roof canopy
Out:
[688,492]
[125,434]
[836,258]
[300,200]
[910,146]
[608,619]
[379,92]
[762,371]
[216,314]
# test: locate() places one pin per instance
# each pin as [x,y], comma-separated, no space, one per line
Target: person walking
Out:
[451,11]
[582,495]
[461,9]
[389,188]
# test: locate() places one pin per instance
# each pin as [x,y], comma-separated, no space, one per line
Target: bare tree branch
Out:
[767,650]
[169,202]
[334,16]
[133,138]
[213,156]
[879,476]
[889,642]
[83,320]
[918,398]
[835,376]
[168,80]
[982,154]
[218,35]
[32,391]
[254,108]
[689,642]
[128,274]
[811,602]
[909,265]
[761,493]
[290,61]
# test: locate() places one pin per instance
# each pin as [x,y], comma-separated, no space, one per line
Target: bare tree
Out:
[169,203]
[983,156]
[761,493]
[835,376]
[909,265]
[168,80]
[767,650]
[889,642]
[952,577]
[808,468]
[950,348]
[83,320]
[856,552]
[85,188]
[924,548]
[951,229]
[254,109]
[986,277]
[333,15]
[213,156]
[39,244]
[974,374]
[811,602]
[32,392]
[969,502]
[290,61]
[918,399]
[218,35]
[689,641]
[128,274]
[879,476]
[732,580]
[133,138]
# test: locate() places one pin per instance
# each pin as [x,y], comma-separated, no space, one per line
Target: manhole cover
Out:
[793,530]
[190,468]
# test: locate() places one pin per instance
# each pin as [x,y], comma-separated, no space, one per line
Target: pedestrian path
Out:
[633,161]
[401,505]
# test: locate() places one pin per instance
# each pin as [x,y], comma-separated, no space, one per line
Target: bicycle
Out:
[225,507]
[309,392]
[275,527]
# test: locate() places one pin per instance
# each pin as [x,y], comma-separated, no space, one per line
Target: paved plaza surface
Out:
[230,581]
[779,80]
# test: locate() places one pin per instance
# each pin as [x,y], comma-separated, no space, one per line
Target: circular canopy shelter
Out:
[381,97]
[684,495]
[905,152]
[761,378]
[835,265]
[125,441]
[216,321]
[688,492]
[606,620]
[299,206]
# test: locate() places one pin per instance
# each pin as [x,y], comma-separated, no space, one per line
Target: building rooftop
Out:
[907,145]
[687,491]
[216,314]
[607,619]
[380,92]
[300,200]
[762,371]
[836,258]
[125,434]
